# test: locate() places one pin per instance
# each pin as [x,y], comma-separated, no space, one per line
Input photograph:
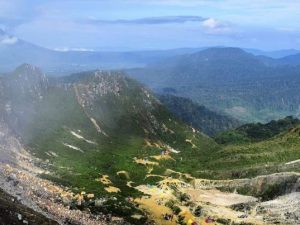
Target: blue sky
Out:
[153,24]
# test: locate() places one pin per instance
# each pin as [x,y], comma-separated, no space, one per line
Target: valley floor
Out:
[188,202]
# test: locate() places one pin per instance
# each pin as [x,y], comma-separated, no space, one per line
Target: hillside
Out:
[229,80]
[203,119]
[293,59]
[99,148]
[254,149]
[254,132]
[272,155]
[98,124]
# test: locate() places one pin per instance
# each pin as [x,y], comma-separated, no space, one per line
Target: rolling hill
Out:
[293,59]
[254,132]
[256,149]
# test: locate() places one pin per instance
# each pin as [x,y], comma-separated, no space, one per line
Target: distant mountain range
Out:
[247,87]
[273,54]
[14,51]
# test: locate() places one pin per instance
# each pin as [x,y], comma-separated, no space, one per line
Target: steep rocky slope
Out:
[14,213]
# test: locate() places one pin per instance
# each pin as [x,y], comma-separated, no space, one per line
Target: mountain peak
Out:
[103,73]
[232,51]
[27,79]
[225,58]
[26,66]
[28,70]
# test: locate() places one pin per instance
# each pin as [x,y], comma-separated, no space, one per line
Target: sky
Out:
[117,25]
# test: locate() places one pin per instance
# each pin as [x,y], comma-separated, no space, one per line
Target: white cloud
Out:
[150,20]
[7,40]
[74,49]
[212,25]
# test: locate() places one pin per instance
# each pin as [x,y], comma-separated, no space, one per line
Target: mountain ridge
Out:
[59,63]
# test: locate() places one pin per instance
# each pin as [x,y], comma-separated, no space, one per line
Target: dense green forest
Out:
[254,132]
[198,116]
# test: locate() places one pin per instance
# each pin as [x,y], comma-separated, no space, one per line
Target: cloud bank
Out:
[7,39]
[152,20]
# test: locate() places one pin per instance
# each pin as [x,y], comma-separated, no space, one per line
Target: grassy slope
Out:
[244,159]
[253,132]
[124,118]
[59,113]
[129,116]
